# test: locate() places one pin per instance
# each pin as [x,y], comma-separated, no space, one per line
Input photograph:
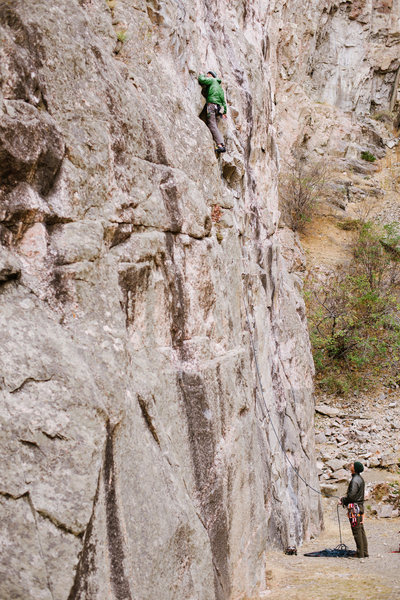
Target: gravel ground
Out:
[304,578]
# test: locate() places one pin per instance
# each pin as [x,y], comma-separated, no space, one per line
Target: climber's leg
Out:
[212,124]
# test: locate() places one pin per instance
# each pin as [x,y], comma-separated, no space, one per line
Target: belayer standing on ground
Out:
[354,500]
[216,106]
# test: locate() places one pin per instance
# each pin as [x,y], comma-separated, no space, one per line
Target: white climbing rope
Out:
[263,405]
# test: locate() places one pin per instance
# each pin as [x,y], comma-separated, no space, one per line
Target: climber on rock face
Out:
[216,106]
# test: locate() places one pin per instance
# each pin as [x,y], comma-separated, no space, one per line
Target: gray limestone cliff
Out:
[337,66]
[139,461]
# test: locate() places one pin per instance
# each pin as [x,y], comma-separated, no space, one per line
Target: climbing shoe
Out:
[220,148]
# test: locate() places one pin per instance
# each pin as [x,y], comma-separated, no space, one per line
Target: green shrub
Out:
[300,185]
[354,317]
[350,224]
[367,155]
[122,36]
[334,384]
[384,116]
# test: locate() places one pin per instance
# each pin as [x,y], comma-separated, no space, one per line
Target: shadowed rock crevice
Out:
[28,498]
[120,234]
[147,418]
[57,523]
[9,274]
[10,265]
[29,380]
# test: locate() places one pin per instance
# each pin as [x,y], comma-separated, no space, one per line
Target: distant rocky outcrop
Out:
[366,429]
[338,67]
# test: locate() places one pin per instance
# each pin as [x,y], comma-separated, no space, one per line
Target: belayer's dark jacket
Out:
[355,492]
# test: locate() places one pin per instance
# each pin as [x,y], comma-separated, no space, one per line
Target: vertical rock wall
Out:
[337,64]
[139,462]
[356,58]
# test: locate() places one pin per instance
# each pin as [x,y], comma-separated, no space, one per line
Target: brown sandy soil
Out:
[304,578]
[325,244]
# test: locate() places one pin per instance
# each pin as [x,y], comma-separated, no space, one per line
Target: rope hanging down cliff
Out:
[341,548]
[263,406]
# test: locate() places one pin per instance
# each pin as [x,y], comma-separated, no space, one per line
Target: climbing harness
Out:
[353,512]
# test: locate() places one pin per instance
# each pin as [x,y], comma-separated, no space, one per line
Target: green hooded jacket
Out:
[215,93]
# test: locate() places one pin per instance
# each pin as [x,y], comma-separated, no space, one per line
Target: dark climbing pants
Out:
[212,118]
[360,538]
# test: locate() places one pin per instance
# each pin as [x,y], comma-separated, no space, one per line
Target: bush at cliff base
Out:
[354,315]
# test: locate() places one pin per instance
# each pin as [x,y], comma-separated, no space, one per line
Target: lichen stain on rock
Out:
[31,147]
[221,393]
[61,284]
[120,135]
[356,8]
[182,551]
[156,152]
[82,587]
[133,282]
[85,586]
[210,487]
[383,6]
[175,281]
[170,196]
[119,581]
